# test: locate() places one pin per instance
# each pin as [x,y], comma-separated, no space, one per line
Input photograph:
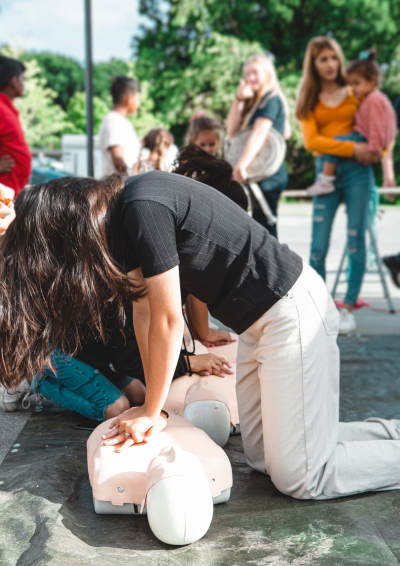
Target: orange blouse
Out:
[324,123]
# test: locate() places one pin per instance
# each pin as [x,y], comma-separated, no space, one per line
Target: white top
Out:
[117,130]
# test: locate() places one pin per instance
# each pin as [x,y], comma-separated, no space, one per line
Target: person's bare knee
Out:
[118,407]
[135,392]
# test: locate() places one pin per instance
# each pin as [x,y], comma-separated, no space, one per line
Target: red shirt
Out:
[12,142]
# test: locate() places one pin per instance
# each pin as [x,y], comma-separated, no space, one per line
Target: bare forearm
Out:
[233,120]
[252,148]
[388,168]
[165,340]
[197,313]
[117,156]
[141,324]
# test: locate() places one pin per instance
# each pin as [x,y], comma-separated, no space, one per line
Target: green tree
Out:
[104,72]
[192,53]
[283,27]
[199,76]
[76,113]
[63,74]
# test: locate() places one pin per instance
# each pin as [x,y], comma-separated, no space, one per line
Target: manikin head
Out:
[11,77]
[179,501]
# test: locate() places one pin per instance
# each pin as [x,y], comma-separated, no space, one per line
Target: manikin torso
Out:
[120,478]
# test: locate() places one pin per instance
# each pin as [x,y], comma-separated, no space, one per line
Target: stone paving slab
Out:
[11,425]
[47,517]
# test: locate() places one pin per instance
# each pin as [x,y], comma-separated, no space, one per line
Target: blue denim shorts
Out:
[79,387]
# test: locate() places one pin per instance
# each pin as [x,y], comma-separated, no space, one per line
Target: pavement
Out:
[46,513]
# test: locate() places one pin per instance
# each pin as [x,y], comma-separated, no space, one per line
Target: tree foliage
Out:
[62,74]
[192,53]
[283,26]
[103,73]
[76,113]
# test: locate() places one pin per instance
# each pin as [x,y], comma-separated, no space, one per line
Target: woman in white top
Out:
[119,143]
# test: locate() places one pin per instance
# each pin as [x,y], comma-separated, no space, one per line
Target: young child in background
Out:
[204,132]
[119,143]
[157,142]
[375,121]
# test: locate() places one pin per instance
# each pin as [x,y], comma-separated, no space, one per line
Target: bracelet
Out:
[165,413]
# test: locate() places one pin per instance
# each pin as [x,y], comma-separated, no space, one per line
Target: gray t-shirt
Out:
[226,259]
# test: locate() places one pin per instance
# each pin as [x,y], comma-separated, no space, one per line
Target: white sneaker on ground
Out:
[322,186]
[10,398]
[347,322]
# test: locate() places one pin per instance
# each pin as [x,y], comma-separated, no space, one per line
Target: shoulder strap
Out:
[258,194]
[266,98]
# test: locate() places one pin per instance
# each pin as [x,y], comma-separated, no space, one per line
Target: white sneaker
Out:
[10,399]
[347,322]
[322,186]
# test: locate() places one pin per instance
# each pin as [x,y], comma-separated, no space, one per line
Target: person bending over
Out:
[171,232]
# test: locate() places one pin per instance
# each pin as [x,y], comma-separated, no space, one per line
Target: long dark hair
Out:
[57,276]
[194,162]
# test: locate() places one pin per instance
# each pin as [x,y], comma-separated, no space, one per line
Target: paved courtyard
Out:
[46,513]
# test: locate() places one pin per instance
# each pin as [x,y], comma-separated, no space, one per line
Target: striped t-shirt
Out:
[226,259]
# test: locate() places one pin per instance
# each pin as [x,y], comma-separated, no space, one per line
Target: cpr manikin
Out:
[175,478]
[209,403]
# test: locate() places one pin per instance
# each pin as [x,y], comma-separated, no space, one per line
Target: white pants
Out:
[288,397]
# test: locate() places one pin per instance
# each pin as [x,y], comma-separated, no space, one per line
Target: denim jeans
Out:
[354,184]
[79,387]
[352,136]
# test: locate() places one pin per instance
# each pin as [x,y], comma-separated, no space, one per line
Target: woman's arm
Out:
[160,354]
[313,141]
[235,113]
[259,134]
[234,116]
[197,314]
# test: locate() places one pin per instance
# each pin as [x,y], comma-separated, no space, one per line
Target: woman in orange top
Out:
[326,108]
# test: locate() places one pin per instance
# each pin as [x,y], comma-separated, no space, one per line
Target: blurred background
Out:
[188,56]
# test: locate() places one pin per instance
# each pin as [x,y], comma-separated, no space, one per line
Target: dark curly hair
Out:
[57,275]
[193,162]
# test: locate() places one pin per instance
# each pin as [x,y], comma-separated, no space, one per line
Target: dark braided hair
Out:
[193,162]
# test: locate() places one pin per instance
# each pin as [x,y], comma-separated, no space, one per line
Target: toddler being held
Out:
[374,121]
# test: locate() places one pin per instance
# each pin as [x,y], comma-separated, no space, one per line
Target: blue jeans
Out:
[352,136]
[79,387]
[354,184]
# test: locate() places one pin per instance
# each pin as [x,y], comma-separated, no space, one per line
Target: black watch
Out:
[165,413]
